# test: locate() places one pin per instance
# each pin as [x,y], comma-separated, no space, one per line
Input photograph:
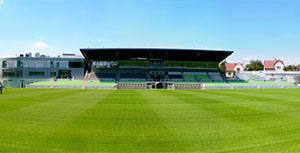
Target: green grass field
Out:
[75,120]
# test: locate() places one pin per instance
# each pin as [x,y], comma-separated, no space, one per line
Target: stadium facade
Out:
[135,68]
[122,68]
[25,67]
[154,67]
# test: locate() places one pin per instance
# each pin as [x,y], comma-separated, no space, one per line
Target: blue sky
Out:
[254,29]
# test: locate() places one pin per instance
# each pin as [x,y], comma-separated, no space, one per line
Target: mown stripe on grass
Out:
[16,91]
[219,108]
[197,129]
[259,119]
[226,132]
[24,129]
[120,122]
[274,103]
[262,94]
[31,98]
[285,145]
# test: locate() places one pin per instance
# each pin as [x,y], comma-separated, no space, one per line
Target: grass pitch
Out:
[59,120]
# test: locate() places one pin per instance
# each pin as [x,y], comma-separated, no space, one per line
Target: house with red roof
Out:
[273,65]
[233,68]
[298,68]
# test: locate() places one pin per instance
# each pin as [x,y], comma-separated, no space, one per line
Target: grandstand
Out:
[40,84]
[202,76]
[287,84]
[267,84]
[215,76]
[216,85]
[66,83]
[260,80]
[154,68]
[242,84]
[98,84]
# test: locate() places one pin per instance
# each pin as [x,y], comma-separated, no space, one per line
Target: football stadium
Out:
[154,68]
[135,68]
[119,68]
[144,100]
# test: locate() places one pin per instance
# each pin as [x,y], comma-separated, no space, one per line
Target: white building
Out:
[274,65]
[233,68]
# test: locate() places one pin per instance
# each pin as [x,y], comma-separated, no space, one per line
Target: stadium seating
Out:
[104,84]
[242,84]
[131,81]
[184,82]
[69,84]
[243,76]
[188,77]
[132,75]
[194,76]
[216,76]
[203,76]
[13,83]
[255,77]
[176,77]
[106,75]
[216,85]
[40,84]
[287,84]
[266,84]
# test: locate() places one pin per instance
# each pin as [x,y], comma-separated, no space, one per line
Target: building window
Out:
[64,73]
[53,74]
[278,67]
[20,64]
[4,64]
[36,73]
[12,73]
[51,64]
[74,64]
[57,64]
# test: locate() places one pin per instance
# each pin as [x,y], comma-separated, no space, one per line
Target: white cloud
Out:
[40,45]
[1,2]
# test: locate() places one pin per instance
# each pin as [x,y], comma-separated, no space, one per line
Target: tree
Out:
[290,68]
[255,65]
[222,66]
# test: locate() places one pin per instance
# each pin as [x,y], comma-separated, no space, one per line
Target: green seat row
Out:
[40,83]
[131,81]
[266,83]
[202,76]
[100,83]
[241,83]
[215,84]
[188,77]
[185,82]
[69,83]
[285,83]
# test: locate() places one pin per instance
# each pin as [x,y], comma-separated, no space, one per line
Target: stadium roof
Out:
[155,53]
